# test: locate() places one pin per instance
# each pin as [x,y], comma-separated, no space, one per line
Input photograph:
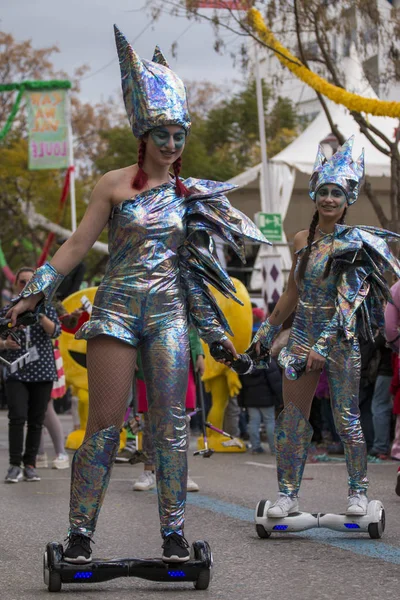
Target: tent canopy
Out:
[301,153]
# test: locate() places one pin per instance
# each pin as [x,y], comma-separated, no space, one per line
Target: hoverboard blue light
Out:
[83,575]
[352,525]
[280,527]
[176,573]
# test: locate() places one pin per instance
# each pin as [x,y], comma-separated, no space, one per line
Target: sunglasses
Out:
[22,281]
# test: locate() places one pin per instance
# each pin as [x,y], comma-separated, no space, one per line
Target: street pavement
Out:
[316,564]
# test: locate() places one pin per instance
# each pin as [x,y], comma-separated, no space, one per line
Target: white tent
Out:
[301,153]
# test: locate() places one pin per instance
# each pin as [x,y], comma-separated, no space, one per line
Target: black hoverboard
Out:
[197,570]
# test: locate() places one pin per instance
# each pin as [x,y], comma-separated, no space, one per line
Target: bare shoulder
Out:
[300,239]
[102,192]
[113,178]
[115,185]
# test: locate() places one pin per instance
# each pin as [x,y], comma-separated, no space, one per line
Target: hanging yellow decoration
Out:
[355,102]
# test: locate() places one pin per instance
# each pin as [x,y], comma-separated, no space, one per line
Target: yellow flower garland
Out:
[355,102]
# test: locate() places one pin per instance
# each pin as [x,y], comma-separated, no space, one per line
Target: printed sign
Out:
[270,224]
[48,129]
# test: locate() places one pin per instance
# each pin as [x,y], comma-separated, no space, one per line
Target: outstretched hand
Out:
[22,306]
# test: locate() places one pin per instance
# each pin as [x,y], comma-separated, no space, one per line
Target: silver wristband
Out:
[266,334]
[46,280]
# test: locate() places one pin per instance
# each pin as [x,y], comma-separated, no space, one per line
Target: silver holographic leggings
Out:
[343,369]
[111,367]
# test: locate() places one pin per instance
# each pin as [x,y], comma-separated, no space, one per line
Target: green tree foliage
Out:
[21,190]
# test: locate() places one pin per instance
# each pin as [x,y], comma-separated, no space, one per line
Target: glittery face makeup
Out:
[164,138]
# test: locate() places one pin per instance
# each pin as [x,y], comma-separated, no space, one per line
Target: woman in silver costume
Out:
[162,255]
[337,288]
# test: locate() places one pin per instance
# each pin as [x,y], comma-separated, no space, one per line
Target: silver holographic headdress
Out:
[340,170]
[153,94]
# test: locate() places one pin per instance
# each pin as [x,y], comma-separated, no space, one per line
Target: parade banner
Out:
[219,4]
[48,129]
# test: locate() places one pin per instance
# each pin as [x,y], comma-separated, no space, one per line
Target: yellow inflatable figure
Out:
[219,380]
[74,356]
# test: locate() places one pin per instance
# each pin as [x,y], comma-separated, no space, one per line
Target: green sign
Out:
[48,129]
[270,224]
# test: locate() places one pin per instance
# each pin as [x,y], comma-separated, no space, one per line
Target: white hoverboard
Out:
[372,523]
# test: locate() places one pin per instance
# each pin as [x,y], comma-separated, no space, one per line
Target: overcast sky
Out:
[83,30]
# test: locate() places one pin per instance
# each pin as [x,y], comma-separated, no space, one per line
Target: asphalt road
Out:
[316,564]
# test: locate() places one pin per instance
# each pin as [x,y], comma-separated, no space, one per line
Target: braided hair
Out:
[311,235]
[180,189]
[330,259]
[141,177]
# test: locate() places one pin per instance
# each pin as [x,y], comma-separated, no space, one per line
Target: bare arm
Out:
[47,324]
[94,220]
[73,250]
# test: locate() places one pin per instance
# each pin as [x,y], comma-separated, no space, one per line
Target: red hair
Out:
[141,177]
[180,189]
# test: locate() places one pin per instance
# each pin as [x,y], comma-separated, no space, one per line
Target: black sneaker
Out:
[30,474]
[398,483]
[175,548]
[78,549]
[14,474]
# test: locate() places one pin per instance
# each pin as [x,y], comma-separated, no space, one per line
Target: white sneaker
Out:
[284,506]
[146,481]
[192,485]
[42,461]
[357,505]
[60,462]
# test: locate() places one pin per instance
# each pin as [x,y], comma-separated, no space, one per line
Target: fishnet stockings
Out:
[111,367]
[301,391]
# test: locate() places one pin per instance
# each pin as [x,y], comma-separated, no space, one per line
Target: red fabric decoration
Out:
[61,206]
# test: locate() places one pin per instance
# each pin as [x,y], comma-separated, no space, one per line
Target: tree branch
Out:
[365,127]
[369,192]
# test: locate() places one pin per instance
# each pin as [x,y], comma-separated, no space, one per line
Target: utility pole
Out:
[268,257]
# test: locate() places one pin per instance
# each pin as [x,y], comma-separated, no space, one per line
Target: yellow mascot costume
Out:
[219,380]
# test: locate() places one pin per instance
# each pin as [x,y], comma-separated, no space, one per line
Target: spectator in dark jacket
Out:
[30,374]
[261,393]
[381,405]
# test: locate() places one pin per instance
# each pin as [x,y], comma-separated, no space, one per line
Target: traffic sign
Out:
[270,224]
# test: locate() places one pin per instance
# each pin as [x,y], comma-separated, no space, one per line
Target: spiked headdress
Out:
[153,94]
[340,170]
